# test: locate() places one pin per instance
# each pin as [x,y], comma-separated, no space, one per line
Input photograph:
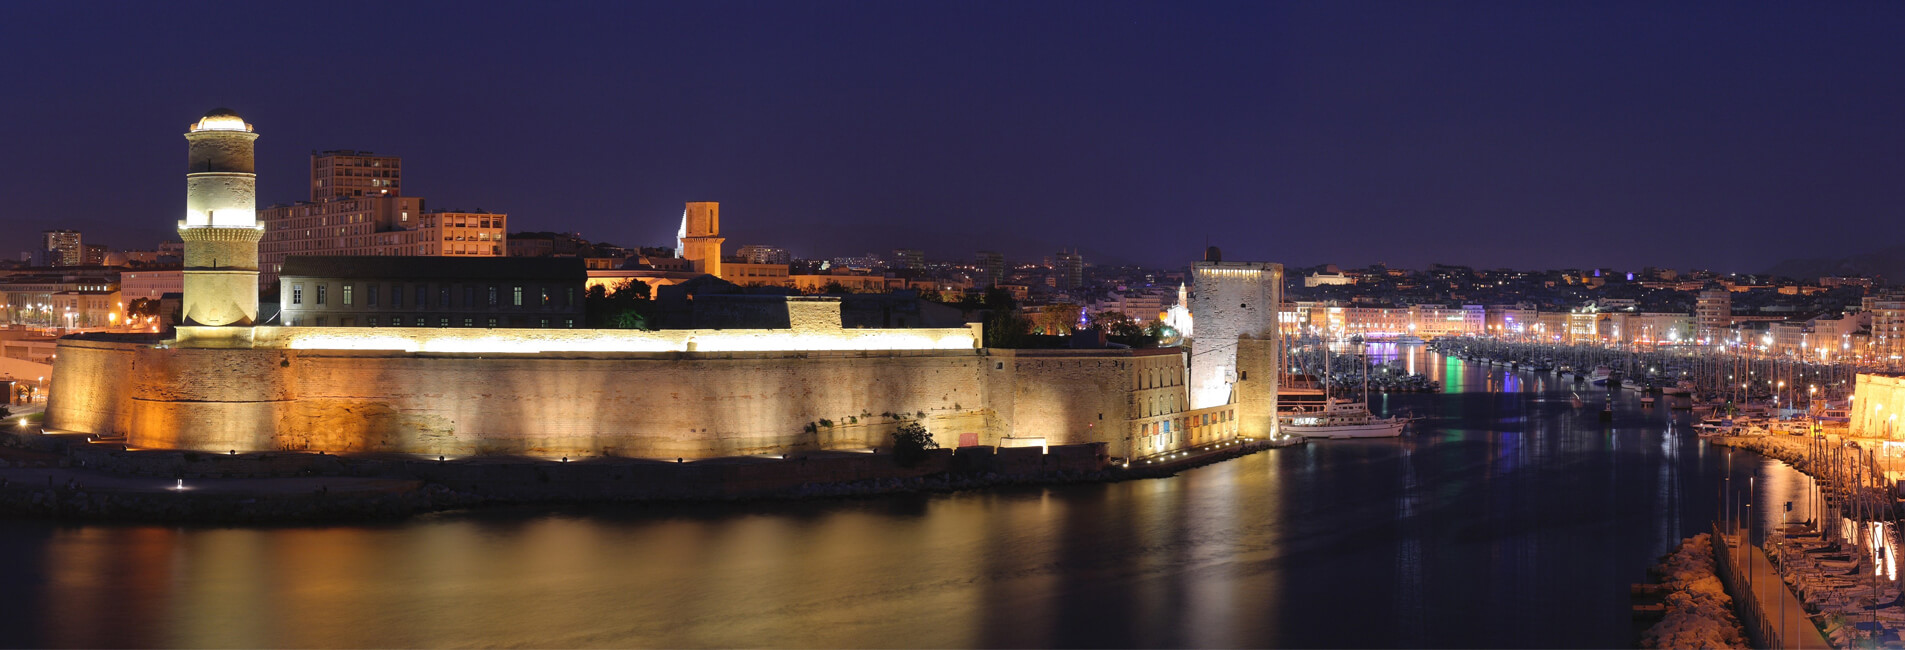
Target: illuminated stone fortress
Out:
[804,383]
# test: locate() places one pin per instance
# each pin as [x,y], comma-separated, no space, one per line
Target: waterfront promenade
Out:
[1772,613]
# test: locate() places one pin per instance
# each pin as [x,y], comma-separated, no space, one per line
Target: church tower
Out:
[220,229]
[699,241]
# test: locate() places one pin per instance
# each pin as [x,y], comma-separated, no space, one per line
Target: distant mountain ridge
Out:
[1884,263]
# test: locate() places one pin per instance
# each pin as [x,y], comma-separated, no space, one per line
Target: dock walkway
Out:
[1773,613]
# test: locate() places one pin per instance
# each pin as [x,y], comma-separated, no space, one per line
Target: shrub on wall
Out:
[911,442]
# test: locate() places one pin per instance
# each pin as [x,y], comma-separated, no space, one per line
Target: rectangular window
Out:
[469,322]
[420,321]
[443,322]
[322,321]
[545,296]
[372,321]
[518,296]
[370,295]
[492,296]
[469,297]
[492,321]
[569,323]
[396,295]
[569,298]
[347,293]
[545,323]
[297,294]
[320,298]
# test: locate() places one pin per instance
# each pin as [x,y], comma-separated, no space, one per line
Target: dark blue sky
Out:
[1528,134]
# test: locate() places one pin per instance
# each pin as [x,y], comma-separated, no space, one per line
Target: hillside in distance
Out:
[1884,263]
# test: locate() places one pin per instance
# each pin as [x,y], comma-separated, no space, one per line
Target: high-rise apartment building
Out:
[357,208]
[991,268]
[909,258]
[1068,270]
[61,248]
[1712,315]
[346,174]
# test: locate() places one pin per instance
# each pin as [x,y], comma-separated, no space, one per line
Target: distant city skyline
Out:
[1496,135]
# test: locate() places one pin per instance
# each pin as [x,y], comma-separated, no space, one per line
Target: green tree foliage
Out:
[1056,319]
[1116,323]
[142,307]
[1004,326]
[911,443]
[627,306]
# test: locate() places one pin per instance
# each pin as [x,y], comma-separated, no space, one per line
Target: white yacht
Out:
[1341,419]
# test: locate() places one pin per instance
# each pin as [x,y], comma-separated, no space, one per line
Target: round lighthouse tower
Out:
[220,229]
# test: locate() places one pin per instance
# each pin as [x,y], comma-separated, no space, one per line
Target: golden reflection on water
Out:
[976,569]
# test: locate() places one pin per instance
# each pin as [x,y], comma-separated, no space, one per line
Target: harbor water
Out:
[1505,517]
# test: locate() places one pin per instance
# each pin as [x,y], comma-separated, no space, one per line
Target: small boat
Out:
[1341,419]
[1600,376]
[1647,400]
[1682,387]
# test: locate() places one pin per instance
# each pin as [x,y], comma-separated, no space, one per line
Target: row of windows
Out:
[492,296]
[419,321]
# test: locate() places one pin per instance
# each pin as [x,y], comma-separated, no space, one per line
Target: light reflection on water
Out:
[1511,519]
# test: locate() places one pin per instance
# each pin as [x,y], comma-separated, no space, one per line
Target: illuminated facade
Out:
[220,229]
[699,240]
[1235,355]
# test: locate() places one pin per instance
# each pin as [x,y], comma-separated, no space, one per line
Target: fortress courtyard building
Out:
[783,374]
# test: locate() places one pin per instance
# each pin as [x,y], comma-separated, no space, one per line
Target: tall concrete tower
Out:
[220,229]
[1235,354]
[700,239]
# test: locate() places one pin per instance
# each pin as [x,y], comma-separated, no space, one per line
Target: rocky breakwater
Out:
[1698,613]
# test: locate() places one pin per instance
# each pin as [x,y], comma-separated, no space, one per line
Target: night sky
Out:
[1526,134]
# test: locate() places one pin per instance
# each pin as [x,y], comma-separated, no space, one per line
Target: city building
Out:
[60,248]
[909,258]
[357,208]
[389,291]
[759,254]
[347,174]
[150,284]
[1712,316]
[991,268]
[1068,270]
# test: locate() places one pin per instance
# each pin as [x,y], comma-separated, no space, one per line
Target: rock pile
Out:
[1699,611]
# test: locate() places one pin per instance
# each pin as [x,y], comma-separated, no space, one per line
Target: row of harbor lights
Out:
[1182,454]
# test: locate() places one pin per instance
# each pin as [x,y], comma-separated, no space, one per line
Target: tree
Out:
[1056,319]
[834,288]
[1004,327]
[1116,323]
[911,443]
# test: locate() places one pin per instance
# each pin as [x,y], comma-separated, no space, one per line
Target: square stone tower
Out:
[1236,350]
[700,239]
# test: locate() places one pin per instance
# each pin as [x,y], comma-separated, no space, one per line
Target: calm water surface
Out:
[1507,518]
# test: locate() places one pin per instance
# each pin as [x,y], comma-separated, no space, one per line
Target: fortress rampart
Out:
[268,394]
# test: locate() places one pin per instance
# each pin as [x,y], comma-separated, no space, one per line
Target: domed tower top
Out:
[221,119]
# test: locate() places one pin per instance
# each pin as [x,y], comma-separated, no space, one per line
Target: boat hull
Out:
[1379,429]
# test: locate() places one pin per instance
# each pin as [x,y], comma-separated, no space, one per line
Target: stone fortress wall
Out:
[267,394]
